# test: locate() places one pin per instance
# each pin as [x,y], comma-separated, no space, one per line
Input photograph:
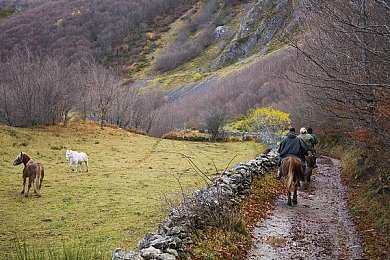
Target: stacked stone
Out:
[173,234]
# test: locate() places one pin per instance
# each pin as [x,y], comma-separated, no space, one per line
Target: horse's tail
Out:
[39,178]
[290,178]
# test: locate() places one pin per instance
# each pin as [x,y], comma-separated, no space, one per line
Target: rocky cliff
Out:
[260,30]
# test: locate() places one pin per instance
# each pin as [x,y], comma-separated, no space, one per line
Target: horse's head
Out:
[19,159]
[68,154]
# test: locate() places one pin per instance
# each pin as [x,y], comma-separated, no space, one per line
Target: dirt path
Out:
[319,227]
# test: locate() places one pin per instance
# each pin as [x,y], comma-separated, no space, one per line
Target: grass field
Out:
[115,203]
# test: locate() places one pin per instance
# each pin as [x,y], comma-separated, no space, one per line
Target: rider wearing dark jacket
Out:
[291,145]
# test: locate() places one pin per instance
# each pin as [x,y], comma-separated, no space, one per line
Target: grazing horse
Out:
[76,158]
[291,169]
[34,171]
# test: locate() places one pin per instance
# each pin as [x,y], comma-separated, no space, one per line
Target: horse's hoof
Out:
[25,195]
[289,203]
[295,202]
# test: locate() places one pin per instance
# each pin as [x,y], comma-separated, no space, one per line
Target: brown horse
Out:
[309,166]
[34,171]
[291,169]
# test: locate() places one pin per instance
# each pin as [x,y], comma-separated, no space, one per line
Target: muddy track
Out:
[319,227]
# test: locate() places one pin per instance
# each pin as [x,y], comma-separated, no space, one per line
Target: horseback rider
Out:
[308,138]
[291,145]
[315,142]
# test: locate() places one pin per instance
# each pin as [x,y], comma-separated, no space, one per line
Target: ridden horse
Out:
[309,166]
[34,171]
[76,158]
[291,169]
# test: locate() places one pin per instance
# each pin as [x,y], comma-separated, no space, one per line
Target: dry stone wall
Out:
[199,210]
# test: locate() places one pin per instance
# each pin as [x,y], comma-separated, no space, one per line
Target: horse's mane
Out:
[25,154]
[29,159]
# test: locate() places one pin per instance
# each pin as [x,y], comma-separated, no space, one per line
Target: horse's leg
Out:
[309,173]
[38,185]
[39,179]
[33,182]
[295,196]
[305,182]
[30,180]
[86,164]
[289,198]
[74,166]
[24,185]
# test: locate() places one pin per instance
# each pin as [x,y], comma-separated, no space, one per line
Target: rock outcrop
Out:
[258,30]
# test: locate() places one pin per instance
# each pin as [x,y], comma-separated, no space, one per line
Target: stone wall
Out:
[222,194]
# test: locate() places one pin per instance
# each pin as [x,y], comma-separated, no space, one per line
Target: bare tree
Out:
[151,106]
[214,120]
[35,90]
[104,85]
[344,66]
[122,112]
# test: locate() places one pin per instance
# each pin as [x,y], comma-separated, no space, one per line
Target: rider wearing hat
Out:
[308,138]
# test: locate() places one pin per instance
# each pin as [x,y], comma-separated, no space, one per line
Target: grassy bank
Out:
[114,204]
[366,174]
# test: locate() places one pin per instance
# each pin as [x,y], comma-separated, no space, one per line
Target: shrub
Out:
[197,76]
[269,122]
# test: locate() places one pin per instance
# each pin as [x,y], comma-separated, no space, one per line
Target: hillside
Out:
[229,58]
[162,66]
[168,43]
[217,54]
[109,31]
[232,40]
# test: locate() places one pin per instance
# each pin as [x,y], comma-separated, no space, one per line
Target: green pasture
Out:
[115,203]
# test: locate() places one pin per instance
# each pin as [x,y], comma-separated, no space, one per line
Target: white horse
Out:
[76,158]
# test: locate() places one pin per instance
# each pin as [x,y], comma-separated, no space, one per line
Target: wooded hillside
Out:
[106,30]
